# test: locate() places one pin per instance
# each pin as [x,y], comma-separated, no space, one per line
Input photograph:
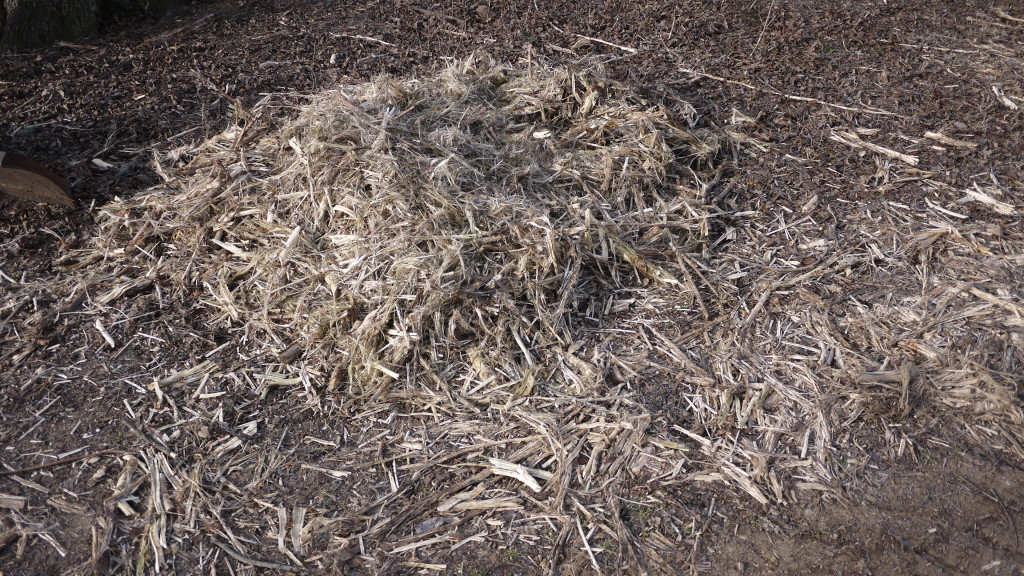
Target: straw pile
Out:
[448,234]
[440,257]
[486,282]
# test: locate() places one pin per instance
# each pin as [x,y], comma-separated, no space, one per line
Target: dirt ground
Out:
[942,503]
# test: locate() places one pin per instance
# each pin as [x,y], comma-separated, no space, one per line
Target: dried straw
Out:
[449,233]
[444,252]
[513,286]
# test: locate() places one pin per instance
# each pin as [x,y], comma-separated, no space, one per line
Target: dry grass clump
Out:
[445,255]
[505,279]
[448,233]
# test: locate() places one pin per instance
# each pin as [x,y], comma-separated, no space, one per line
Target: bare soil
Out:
[922,495]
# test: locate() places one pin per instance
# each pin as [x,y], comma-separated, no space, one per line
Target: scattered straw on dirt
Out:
[489,277]
[449,248]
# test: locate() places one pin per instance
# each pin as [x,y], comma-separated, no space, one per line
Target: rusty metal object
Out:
[24,178]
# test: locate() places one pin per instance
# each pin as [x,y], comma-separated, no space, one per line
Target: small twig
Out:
[939,48]
[788,96]
[764,29]
[558,547]
[853,140]
[106,335]
[815,270]
[1006,16]
[253,561]
[757,307]
[61,462]
[586,545]
[155,442]
[361,37]
[607,43]
[1010,306]
[467,450]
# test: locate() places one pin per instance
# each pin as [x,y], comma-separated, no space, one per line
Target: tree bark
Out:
[32,23]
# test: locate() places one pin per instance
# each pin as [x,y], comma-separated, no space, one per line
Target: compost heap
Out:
[452,246]
[483,278]
[449,234]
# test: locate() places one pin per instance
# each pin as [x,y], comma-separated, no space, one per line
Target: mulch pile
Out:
[476,267]
[400,323]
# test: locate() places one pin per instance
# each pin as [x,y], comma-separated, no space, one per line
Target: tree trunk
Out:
[31,23]
[37,22]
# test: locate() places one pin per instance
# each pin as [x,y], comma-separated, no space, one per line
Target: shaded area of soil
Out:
[935,67]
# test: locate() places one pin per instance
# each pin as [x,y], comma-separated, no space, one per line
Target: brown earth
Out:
[945,505]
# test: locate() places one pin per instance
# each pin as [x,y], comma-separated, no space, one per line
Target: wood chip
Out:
[1010,306]
[949,141]
[977,194]
[854,140]
[13,502]
[420,544]
[1001,96]
[503,468]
